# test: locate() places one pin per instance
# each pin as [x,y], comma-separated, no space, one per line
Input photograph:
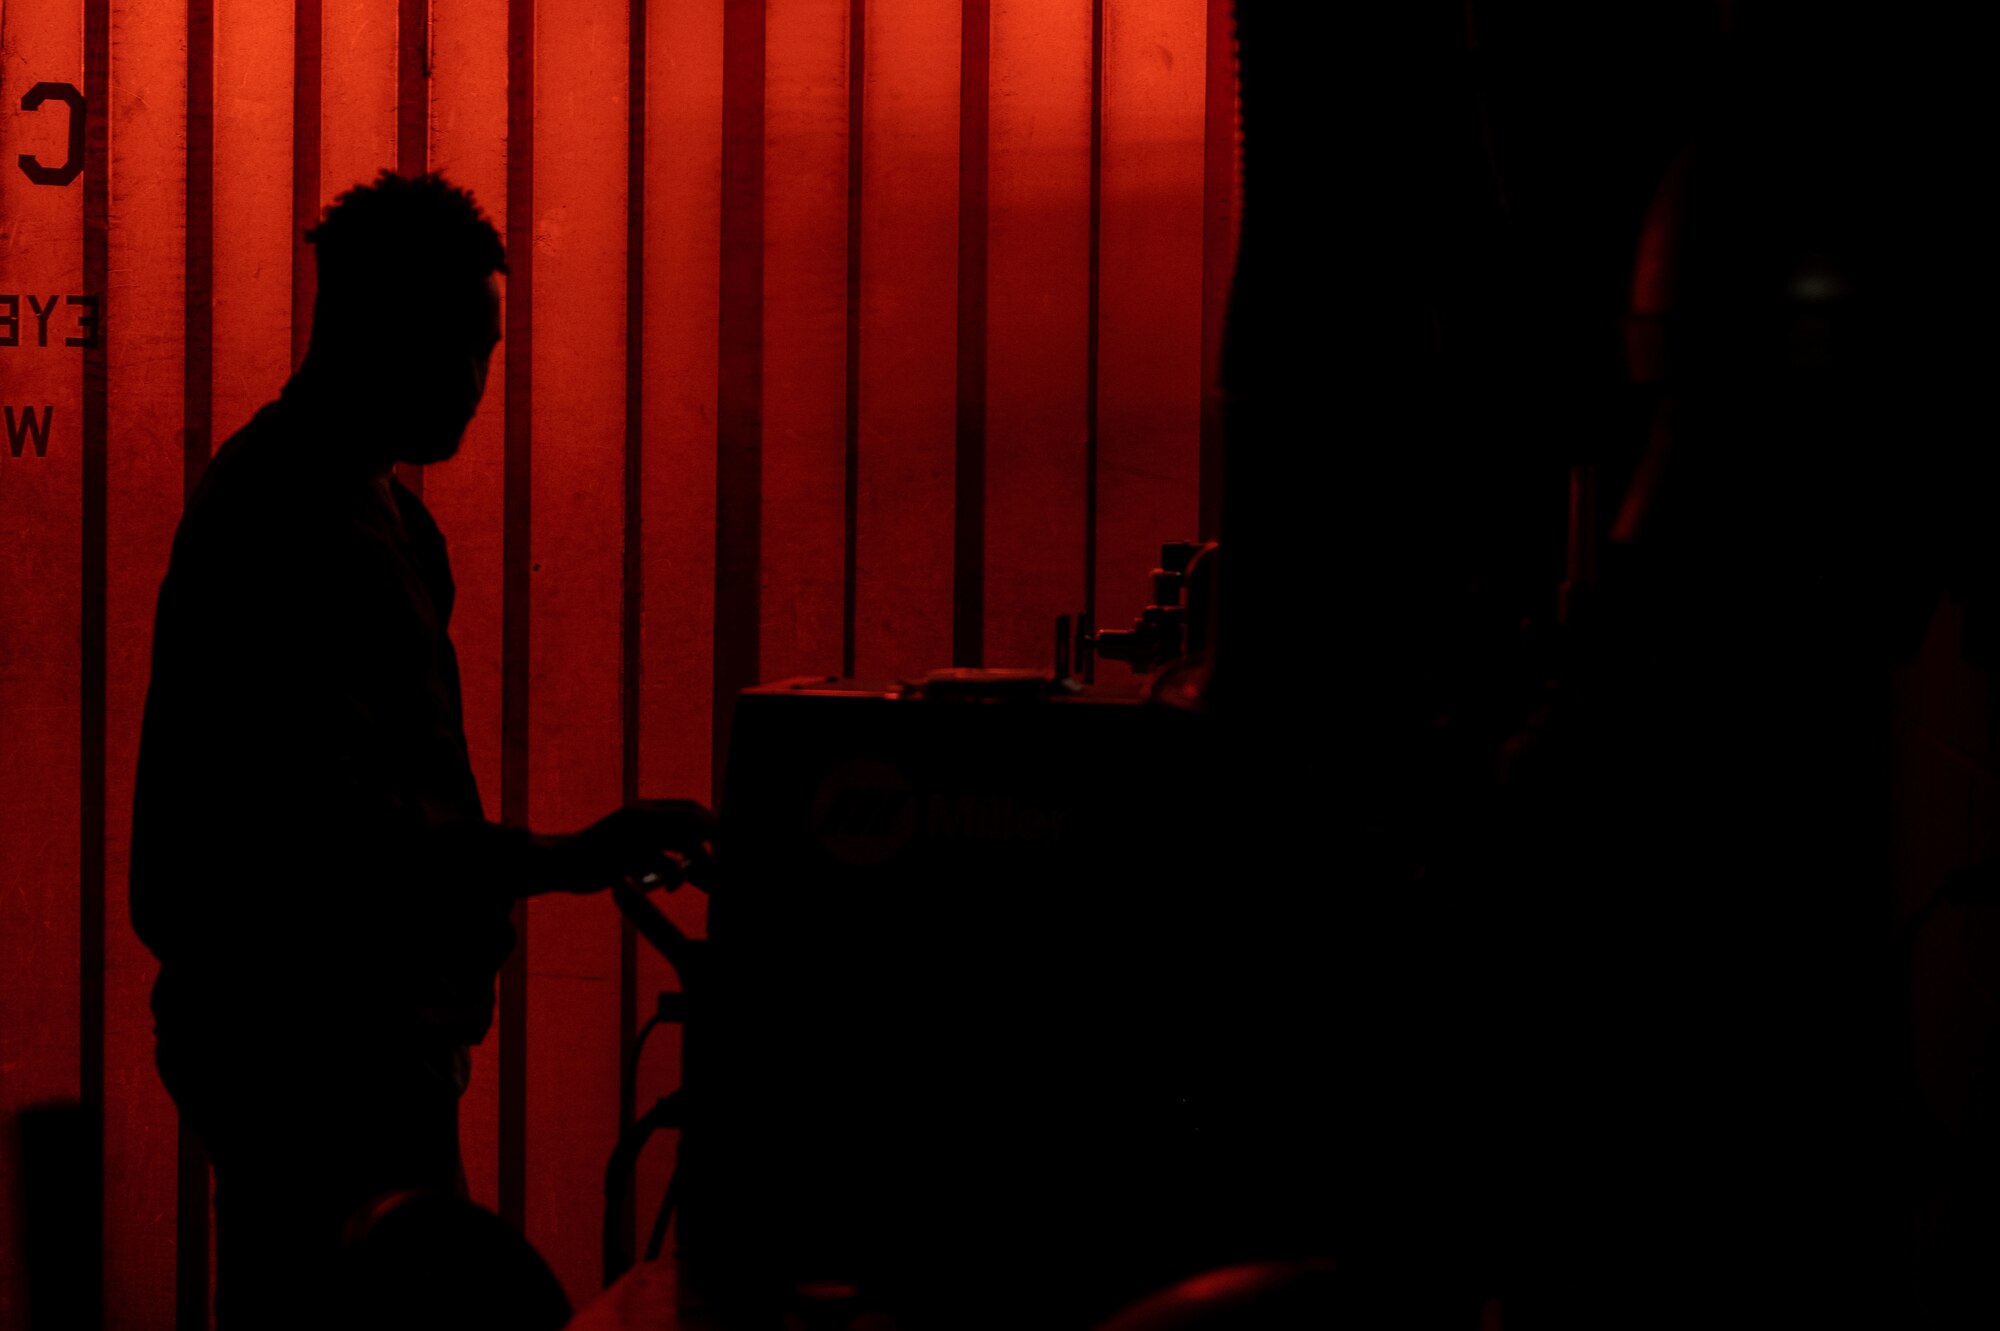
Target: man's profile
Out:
[311,861]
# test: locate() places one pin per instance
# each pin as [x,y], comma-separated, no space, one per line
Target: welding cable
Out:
[653,925]
[646,1028]
[621,1177]
[657,1240]
[667,1008]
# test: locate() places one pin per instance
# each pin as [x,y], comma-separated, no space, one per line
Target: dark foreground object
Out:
[952,1046]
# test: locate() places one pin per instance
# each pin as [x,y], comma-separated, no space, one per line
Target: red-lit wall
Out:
[841,338]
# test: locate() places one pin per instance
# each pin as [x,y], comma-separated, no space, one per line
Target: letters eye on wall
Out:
[28,424]
[855,337]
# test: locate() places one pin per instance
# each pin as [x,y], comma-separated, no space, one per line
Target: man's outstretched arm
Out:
[654,842]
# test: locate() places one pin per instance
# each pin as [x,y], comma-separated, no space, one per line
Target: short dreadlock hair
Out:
[409,234]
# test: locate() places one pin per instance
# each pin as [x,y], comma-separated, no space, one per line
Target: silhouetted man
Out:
[310,860]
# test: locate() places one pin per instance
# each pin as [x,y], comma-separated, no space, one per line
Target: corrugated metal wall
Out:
[839,338]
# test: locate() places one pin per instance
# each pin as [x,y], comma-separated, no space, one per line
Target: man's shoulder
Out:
[268,484]
[252,470]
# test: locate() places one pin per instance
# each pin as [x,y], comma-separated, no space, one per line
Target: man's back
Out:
[302,737]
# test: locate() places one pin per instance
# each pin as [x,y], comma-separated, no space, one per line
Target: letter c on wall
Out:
[72,166]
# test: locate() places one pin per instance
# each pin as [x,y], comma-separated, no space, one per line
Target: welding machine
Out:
[949,1037]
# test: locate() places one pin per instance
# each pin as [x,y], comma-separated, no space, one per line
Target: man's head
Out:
[408,312]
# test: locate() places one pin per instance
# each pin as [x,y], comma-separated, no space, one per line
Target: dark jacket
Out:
[309,851]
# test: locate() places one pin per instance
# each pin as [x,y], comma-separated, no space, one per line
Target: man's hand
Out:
[648,843]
